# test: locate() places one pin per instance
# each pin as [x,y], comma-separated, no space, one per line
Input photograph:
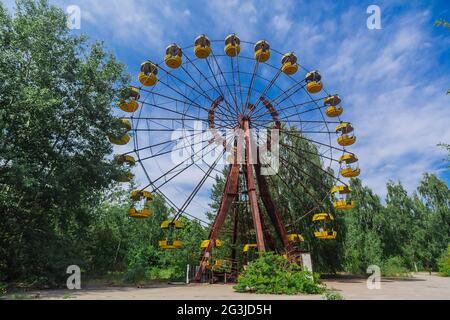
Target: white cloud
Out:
[281,23]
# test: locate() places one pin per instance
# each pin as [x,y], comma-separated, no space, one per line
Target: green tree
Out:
[301,189]
[399,223]
[435,195]
[442,23]
[444,263]
[363,246]
[115,242]
[56,95]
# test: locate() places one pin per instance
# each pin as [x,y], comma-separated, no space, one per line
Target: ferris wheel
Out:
[231,104]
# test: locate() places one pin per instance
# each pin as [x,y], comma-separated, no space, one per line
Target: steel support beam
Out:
[234,264]
[230,193]
[251,187]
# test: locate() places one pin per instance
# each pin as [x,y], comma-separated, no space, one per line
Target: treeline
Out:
[406,233]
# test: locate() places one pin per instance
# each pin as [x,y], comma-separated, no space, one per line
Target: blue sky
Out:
[393,81]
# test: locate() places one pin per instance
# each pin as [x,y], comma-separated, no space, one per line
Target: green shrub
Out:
[272,274]
[145,256]
[333,295]
[444,264]
[394,267]
[3,288]
[135,275]
[164,273]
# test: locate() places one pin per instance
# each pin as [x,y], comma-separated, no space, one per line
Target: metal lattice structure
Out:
[184,104]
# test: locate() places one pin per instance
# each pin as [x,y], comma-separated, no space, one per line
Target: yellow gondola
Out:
[325,232]
[342,201]
[344,205]
[165,244]
[341,190]
[289,64]
[333,100]
[205,244]
[140,196]
[202,48]
[262,51]
[347,138]
[323,217]
[170,227]
[125,159]
[139,214]
[249,253]
[333,109]
[125,177]
[351,168]
[177,224]
[121,139]
[174,56]
[249,247]
[148,76]
[296,238]
[217,265]
[125,123]
[129,102]
[350,173]
[129,162]
[314,82]
[326,235]
[232,45]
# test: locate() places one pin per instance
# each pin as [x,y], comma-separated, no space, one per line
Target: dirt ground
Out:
[420,286]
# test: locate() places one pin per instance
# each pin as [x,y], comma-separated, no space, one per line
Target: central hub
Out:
[242,119]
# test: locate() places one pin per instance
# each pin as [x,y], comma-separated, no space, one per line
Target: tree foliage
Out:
[56,93]
[411,230]
[444,263]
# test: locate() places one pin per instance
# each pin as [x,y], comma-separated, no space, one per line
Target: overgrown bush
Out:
[272,274]
[394,267]
[143,256]
[135,275]
[333,295]
[3,288]
[169,273]
[444,264]
[140,274]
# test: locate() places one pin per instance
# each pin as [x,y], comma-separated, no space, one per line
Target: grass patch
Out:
[21,296]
